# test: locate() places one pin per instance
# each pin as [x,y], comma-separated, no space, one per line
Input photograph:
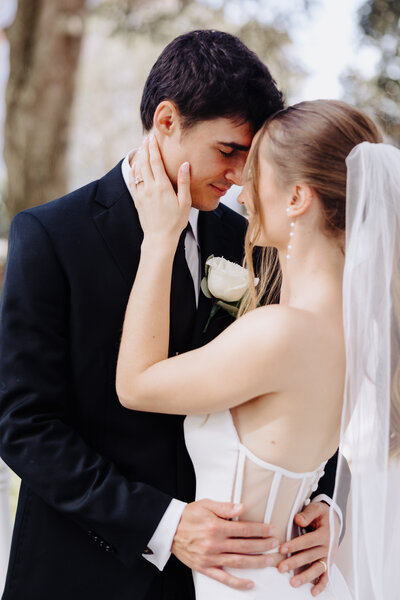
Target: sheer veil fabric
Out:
[370,431]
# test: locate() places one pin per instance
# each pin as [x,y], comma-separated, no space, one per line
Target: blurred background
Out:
[72,72]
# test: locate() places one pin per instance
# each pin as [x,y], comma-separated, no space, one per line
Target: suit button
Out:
[148,551]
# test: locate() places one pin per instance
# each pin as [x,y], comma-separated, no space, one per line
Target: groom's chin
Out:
[205,202]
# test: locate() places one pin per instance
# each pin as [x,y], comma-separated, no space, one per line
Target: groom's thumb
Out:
[225,510]
[184,184]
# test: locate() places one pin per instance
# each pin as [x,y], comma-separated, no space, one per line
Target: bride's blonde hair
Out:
[307,142]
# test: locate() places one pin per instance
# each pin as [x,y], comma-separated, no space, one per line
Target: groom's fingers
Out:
[228,579]
[225,510]
[203,541]
[242,561]
[304,542]
[237,529]
[313,572]
[248,546]
[247,529]
[296,561]
[310,513]
[321,585]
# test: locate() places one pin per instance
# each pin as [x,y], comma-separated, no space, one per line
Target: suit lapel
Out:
[117,220]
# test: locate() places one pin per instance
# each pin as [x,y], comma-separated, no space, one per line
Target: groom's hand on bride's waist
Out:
[207,540]
[309,552]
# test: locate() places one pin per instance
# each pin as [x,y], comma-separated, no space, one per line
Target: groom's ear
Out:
[166,119]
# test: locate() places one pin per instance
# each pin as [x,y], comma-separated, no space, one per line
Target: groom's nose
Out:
[234,173]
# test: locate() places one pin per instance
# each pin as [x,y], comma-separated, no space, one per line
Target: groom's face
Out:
[217,152]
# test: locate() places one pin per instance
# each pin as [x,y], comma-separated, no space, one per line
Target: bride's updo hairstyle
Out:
[309,143]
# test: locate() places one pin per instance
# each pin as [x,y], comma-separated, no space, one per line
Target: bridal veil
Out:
[370,430]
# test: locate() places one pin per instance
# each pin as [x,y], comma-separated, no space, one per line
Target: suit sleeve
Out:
[326,487]
[37,438]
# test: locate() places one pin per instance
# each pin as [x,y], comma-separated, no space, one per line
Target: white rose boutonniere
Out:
[225,284]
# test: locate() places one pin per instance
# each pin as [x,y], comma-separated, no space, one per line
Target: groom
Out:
[104,490]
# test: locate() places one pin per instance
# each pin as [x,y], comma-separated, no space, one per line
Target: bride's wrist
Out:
[162,244]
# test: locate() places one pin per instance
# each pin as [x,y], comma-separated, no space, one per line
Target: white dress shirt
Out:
[161,541]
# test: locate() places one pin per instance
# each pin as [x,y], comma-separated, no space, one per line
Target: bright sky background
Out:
[328,44]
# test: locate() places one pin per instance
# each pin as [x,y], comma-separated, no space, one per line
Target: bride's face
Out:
[270,210]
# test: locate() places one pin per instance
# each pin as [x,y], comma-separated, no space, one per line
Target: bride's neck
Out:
[313,274]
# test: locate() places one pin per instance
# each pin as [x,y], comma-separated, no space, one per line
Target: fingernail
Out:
[272,529]
[296,583]
[249,585]
[269,561]
[284,550]
[235,506]
[185,167]
[284,569]
[274,542]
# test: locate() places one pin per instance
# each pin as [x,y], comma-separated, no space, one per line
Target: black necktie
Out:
[183,302]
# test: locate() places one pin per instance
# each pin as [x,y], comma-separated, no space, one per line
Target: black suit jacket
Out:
[96,477]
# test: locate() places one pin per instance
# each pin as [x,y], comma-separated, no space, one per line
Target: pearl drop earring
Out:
[291,234]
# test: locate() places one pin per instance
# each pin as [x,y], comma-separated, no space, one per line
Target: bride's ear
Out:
[166,120]
[302,199]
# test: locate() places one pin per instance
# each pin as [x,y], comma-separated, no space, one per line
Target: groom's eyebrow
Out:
[235,146]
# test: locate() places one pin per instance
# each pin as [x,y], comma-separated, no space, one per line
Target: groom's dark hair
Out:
[210,74]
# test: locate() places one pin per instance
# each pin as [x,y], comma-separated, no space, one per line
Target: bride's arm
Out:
[226,372]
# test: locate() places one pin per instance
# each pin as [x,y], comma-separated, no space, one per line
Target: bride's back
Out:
[297,426]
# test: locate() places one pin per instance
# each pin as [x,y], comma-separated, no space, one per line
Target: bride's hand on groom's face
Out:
[163,213]
[207,540]
[310,549]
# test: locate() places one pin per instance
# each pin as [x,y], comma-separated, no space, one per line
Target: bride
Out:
[264,400]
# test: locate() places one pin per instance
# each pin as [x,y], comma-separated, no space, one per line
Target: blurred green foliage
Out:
[379,21]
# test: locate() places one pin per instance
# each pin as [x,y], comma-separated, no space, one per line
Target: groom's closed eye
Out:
[232,146]
[227,154]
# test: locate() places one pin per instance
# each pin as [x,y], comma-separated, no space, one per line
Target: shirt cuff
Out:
[161,541]
[336,507]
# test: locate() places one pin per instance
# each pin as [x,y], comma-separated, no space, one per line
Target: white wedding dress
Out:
[227,471]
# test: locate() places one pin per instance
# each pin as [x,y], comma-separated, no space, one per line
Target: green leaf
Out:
[204,288]
[215,308]
[232,310]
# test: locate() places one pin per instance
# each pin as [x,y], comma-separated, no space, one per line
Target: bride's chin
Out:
[260,241]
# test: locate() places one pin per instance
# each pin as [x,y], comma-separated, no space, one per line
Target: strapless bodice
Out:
[227,471]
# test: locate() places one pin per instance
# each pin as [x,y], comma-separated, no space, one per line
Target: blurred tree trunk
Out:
[45,41]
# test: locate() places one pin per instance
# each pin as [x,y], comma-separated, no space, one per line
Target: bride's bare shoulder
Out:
[276,316]
[274,325]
